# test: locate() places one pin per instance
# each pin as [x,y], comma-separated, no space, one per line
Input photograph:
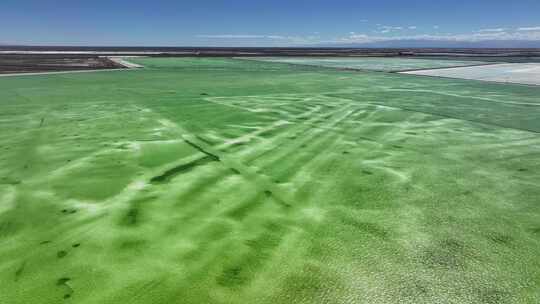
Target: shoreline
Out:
[126,66]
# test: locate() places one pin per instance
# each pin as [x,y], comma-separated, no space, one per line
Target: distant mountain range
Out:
[386,48]
[440,44]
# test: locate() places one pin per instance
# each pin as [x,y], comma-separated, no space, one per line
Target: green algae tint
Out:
[233,181]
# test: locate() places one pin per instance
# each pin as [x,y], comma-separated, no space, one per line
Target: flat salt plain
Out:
[230,181]
[524,73]
[372,63]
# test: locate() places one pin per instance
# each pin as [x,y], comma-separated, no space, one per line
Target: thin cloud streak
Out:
[474,37]
[495,34]
[230,36]
[526,29]
[495,30]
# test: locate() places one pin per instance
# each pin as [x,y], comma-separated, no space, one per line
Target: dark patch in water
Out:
[204,94]
[62,281]
[535,230]
[269,133]
[131,217]
[235,171]
[69,211]
[8,228]
[19,271]
[76,245]
[171,173]
[366,138]
[411,133]
[345,152]
[9,181]
[239,144]
[44,242]
[241,211]
[501,239]
[269,194]
[522,169]
[261,249]
[367,172]
[213,156]
[397,146]
[123,147]
[231,277]
[41,122]
[132,244]
[419,287]
[268,240]
[60,254]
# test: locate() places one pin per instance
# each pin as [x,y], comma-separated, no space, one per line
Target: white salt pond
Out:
[522,73]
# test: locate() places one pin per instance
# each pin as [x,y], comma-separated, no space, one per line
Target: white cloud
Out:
[525,29]
[471,37]
[494,30]
[359,36]
[229,36]
[384,29]
[412,27]
[276,37]
[436,27]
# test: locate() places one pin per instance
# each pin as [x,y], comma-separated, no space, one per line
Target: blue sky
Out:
[265,23]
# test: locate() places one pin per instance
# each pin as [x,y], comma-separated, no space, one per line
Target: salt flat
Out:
[523,73]
[381,64]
